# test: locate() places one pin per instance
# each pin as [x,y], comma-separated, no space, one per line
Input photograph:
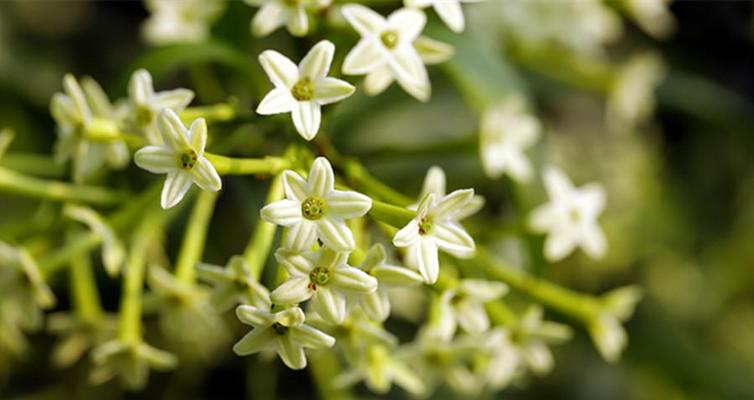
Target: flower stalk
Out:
[248,166]
[25,185]
[259,246]
[85,296]
[195,237]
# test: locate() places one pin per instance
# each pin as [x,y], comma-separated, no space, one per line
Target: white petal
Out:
[452,238]
[277,101]
[390,275]
[281,71]
[311,338]
[543,218]
[301,236]
[539,358]
[282,212]
[335,234]
[176,185]
[427,261]
[321,178]
[254,316]
[271,16]
[353,279]
[298,23]
[421,90]
[365,57]
[198,135]
[294,186]
[557,183]
[408,235]
[472,317]
[363,19]
[450,12]
[432,51]
[306,118]
[378,80]
[290,317]
[205,176]
[593,242]
[255,341]
[296,263]
[156,159]
[140,86]
[592,197]
[434,182]
[347,204]
[330,305]
[316,63]
[483,290]
[293,291]
[172,130]
[330,90]
[176,99]
[558,246]
[407,66]
[376,305]
[450,205]
[290,352]
[408,22]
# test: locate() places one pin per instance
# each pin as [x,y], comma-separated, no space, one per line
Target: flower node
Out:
[389,39]
[188,159]
[303,90]
[313,208]
[320,276]
[425,225]
[279,328]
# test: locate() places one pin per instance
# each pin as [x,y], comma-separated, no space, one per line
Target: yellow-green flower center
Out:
[313,208]
[303,90]
[187,159]
[389,39]
[319,276]
[292,3]
[144,116]
[425,225]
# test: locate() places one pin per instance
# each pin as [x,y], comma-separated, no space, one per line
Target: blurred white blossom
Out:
[292,14]
[631,99]
[449,11]
[463,305]
[180,21]
[145,104]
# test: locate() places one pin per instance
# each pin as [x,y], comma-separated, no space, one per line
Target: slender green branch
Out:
[215,112]
[83,284]
[195,237]
[33,164]
[361,179]
[25,185]
[259,246]
[248,166]
[390,214]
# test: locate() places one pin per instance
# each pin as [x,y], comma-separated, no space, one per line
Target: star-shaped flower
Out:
[113,249]
[386,50]
[449,11]
[434,182]
[606,330]
[77,336]
[233,285]
[325,278]
[145,104]
[436,227]
[380,369]
[23,291]
[181,157]
[507,130]
[570,218]
[184,21]
[302,90]
[464,305]
[532,334]
[289,13]
[284,331]
[314,209]
[130,361]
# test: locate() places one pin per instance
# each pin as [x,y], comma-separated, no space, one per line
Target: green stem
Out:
[216,112]
[33,164]
[390,214]
[195,237]
[26,185]
[260,244]
[248,166]
[576,305]
[83,285]
[324,366]
[361,179]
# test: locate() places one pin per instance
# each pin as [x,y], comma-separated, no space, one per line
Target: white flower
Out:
[180,21]
[653,16]
[284,331]
[449,11]
[314,209]
[113,250]
[23,291]
[570,218]
[379,370]
[507,130]
[386,50]
[434,182]
[181,158]
[631,100]
[532,335]
[302,90]
[145,104]
[504,359]
[377,304]
[464,305]
[606,330]
[233,284]
[289,13]
[130,360]
[325,278]
[436,227]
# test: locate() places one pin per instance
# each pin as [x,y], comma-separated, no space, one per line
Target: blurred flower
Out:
[302,90]
[145,104]
[377,304]
[434,182]
[532,335]
[181,157]
[77,336]
[449,11]
[464,305]
[431,51]
[233,284]
[503,359]
[314,209]
[436,227]
[653,16]
[130,361]
[570,218]
[380,369]
[180,21]
[81,115]
[23,292]
[606,330]
[273,14]
[12,340]
[284,331]
[386,51]
[507,130]
[113,250]
[631,100]
[325,278]
[355,334]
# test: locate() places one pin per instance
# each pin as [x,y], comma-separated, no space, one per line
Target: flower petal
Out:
[409,22]
[376,305]
[198,135]
[335,234]
[306,118]
[472,316]
[205,176]
[293,291]
[390,275]
[176,185]
[347,204]
[294,186]
[282,212]
[281,71]
[557,183]
[433,51]
[378,80]
[364,20]
[316,63]
[452,238]
[426,260]
[311,338]
[321,178]
[253,316]
[408,235]
[593,242]
[330,305]
[290,317]
[290,352]
[156,159]
[255,341]
[172,130]
[140,88]
[558,245]
[450,12]
[330,90]
[277,101]
[296,263]
[301,236]
[271,16]
[482,289]
[365,57]
[298,22]
[449,206]
[353,279]
[176,99]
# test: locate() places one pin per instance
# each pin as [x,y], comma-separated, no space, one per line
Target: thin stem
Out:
[361,179]
[248,166]
[195,237]
[26,185]
[259,246]
[33,164]
[83,285]
[390,214]
[217,112]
